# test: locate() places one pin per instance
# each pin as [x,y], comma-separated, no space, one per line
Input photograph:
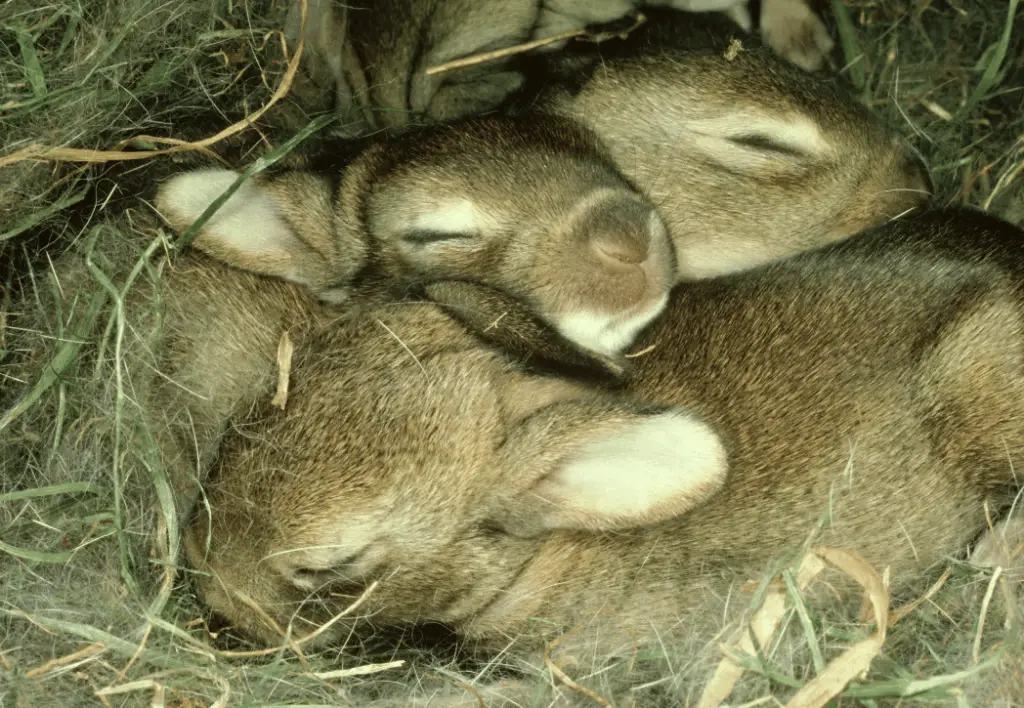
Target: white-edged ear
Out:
[247,231]
[650,470]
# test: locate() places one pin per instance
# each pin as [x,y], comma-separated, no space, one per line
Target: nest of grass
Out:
[89,612]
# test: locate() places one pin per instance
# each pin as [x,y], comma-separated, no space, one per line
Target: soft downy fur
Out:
[867,394]
[530,205]
[537,206]
[789,161]
[371,60]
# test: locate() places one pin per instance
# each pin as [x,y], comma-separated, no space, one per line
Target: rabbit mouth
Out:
[609,334]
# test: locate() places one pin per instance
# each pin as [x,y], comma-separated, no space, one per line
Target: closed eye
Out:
[425,237]
[312,578]
[745,140]
[766,144]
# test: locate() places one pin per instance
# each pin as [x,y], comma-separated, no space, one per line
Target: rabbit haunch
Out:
[531,206]
[880,379]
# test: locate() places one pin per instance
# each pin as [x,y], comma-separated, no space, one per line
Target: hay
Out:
[91,611]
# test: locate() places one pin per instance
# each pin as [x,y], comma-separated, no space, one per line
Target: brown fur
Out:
[215,360]
[372,59]
[877,383]
[748,158]
[529,205]
[709,138]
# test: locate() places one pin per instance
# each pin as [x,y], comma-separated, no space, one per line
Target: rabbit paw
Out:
[791,28]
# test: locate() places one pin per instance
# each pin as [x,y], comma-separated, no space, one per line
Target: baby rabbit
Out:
[879,380]
[531,206]
[748,158]
[374,59]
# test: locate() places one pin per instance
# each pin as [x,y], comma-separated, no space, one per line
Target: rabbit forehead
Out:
[470,213]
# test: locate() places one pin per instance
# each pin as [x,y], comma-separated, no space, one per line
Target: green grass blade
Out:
[52,490]
[110,642]
[30,59]
[996,58]
[36,556]
[66,353]
[115,468]
[42,215]
[69,35]
[265,161]
[853,54]
[805,620]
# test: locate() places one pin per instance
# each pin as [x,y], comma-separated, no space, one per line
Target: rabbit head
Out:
[748,158]
[416,445]
[530,206]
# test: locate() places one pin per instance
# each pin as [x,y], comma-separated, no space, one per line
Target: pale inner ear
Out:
[657,468]
[247,231]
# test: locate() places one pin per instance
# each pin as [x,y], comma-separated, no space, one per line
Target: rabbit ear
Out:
[630,469]
[250,230]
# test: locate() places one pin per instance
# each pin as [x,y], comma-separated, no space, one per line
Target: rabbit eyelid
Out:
[427,237]
[446,221]
[795,137]
[766,144]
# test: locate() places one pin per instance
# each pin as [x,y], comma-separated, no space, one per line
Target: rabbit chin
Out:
[608,334]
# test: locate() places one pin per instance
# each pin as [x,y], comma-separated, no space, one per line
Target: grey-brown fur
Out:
[530,205]
[372,59]
[878,380]
[747,157]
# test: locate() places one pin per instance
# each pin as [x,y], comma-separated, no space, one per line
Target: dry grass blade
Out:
[856,660]
[83,653]
[557,671]
[364,670]
[646,350]
[352,607]
[989,592]
[130,687]
[763,624]
[62,154]
[271,623]
[483,57]
[285,349]
[900,612]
